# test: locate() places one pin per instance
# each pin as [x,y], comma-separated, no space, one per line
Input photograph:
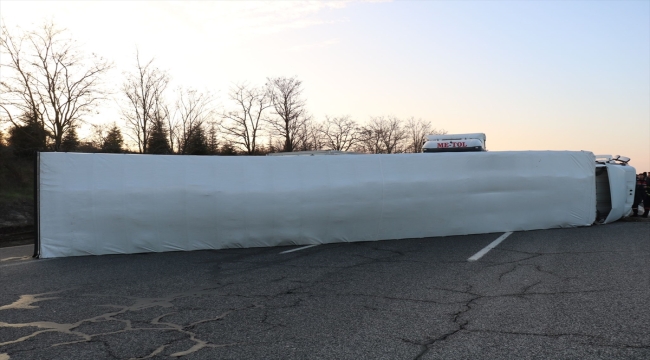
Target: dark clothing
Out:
[640,195]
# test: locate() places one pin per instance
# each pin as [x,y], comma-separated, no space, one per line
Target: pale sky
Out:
[532,75]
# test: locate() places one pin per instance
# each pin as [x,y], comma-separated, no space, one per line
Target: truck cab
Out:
[615,186]
[454,143]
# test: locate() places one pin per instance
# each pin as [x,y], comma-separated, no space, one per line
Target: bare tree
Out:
[369,141]
[173,130]
[193,109]
[98,135]
[315,138]
[47,76]
[309,136]
[340,133]
[243,125]
[144,90]
[416,133]
[274,144]
[383,135]
[289,106]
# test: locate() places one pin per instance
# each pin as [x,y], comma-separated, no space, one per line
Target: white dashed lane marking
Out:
[300,248]
[492,245]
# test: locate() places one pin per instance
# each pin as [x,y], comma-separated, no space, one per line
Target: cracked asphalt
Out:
[561,294]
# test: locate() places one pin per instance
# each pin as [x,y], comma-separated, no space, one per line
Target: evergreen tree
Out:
[70,141]
[113,141]
[158,142]
[228,149]
[213,142]
[28,138]
[197,143]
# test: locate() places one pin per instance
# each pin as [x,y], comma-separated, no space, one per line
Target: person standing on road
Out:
[639,195]
[646,194]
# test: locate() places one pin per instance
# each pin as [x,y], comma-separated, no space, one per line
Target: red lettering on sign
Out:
[452,144]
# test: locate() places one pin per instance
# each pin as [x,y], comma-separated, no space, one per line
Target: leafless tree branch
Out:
[48,77]
[243,124]
[340,133]
[289,109]
[193,109]
[144,89]
[383,135]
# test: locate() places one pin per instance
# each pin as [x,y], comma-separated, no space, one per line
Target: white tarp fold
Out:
[92,204]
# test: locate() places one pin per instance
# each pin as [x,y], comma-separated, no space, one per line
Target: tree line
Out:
[50,88]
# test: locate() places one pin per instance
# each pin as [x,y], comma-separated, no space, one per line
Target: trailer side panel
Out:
[92,204]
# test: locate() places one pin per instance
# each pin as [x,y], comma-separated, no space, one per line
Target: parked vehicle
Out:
[454,143]
[615,186]
[615,179]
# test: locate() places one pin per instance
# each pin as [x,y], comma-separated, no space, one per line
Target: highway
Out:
[561,294]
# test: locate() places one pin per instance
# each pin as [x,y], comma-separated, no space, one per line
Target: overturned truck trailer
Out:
[93,204]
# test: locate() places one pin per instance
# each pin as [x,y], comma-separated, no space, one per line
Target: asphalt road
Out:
[562,294]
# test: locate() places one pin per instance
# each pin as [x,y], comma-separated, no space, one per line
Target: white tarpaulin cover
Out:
[92,204]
